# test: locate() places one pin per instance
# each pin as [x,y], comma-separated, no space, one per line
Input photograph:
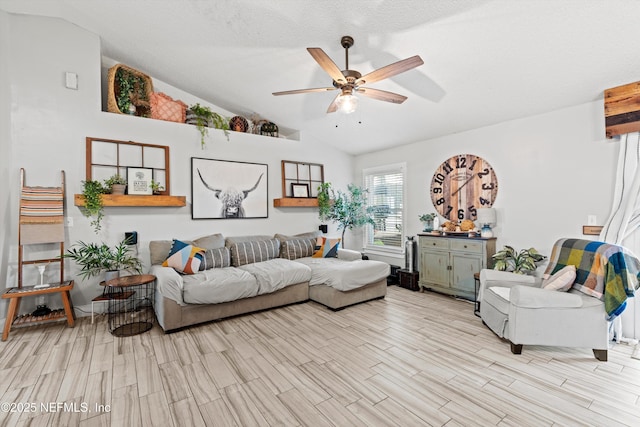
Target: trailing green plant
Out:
[156,187]
[95,259]
[92,192]
[522,262]
[324,203]
[205,117]
[131,87]
[349,209]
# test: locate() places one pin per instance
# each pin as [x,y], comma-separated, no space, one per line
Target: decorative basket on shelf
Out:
[163,107]
[269,129]
[129,91]
[239,124]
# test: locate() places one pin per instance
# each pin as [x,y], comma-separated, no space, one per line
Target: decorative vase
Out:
[427,226]
[111,274]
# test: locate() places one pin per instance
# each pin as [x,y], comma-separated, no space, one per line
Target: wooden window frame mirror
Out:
[105,161]
[294,172]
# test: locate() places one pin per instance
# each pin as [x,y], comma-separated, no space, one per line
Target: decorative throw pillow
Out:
[326,248]
[254,251]
[298,248]
[561,280]
[216,258]
[184,258]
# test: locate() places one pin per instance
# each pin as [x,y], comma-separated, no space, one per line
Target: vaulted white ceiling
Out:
[486,61]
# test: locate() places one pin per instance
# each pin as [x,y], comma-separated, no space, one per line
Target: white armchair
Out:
[517,308]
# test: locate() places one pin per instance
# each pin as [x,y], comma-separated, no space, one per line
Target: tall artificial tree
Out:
[349,209]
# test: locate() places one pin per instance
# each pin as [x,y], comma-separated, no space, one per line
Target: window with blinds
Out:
[386,197]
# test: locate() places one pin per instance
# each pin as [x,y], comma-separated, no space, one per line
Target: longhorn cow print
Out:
[231,198]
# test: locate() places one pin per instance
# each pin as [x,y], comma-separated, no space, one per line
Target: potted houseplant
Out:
[92,192]
[116,184]
[95,259]
[349,209]
[520,262]
[204,118]
[427,221]
[156,187]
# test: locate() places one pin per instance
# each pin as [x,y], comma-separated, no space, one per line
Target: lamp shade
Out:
[347,103]
[486,216]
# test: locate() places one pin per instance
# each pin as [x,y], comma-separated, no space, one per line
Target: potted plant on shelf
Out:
[115,184]
[95,259]
[204,118]
[427,221]
[156,187]
[92,192]
[348,209]
[523,262]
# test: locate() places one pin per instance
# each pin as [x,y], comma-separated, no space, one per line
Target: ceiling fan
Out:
[351,82]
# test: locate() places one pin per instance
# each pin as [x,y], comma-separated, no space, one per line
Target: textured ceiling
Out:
[485,61]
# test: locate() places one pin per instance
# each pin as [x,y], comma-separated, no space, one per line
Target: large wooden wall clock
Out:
[461,185]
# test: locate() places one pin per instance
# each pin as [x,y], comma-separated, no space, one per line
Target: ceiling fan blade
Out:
[293,92]
[390,70]
[333,107]
[381,95]
[327,64]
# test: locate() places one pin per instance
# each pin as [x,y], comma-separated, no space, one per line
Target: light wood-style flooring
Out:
[412,359]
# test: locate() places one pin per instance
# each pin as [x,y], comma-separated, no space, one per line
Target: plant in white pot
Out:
[116,184]
[95,259]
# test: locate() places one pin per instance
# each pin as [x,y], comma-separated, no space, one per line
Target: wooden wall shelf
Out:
[295,202]
[133,200]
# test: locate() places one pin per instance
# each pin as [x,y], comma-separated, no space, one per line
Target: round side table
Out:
[130,304]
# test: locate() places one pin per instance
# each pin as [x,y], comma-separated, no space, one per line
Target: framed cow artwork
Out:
[223,189]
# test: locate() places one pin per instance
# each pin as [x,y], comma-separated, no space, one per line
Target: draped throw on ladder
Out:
[42,205]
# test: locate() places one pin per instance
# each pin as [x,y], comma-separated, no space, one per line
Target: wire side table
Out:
[130,304]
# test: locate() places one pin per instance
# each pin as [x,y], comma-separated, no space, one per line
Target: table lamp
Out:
[486,217]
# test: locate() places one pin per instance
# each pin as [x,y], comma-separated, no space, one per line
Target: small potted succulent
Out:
[427,221]
[156,187]
[116,184]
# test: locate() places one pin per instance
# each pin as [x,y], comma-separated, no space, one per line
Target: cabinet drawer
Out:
[466,246]
[434,242]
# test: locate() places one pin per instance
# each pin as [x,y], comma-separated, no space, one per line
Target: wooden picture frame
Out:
[299,190]
[139,181]
[224,189]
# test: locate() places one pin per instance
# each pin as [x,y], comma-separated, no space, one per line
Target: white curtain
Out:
[624,218]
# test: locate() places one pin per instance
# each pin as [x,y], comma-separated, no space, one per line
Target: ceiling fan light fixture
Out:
[347,103]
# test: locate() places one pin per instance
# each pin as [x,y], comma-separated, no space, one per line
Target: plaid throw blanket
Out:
[605,271]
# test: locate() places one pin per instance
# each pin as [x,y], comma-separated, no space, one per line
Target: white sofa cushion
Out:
[218,285]
[276,274]
[344,275]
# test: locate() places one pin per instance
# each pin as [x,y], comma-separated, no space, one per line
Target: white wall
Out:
[5,146]
[553,170]
[48,126]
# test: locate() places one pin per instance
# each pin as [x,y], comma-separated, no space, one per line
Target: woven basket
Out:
[143,107]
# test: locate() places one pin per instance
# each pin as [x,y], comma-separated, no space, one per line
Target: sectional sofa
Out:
[244,274]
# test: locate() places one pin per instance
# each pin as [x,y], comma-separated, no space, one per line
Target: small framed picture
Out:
[139,181]
[299,190]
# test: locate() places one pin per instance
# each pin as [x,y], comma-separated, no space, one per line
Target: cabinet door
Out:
[464,267]
[435,267]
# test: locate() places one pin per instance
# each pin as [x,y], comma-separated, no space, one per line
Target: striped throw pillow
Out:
[216,258]
[298,248]
[254,251]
